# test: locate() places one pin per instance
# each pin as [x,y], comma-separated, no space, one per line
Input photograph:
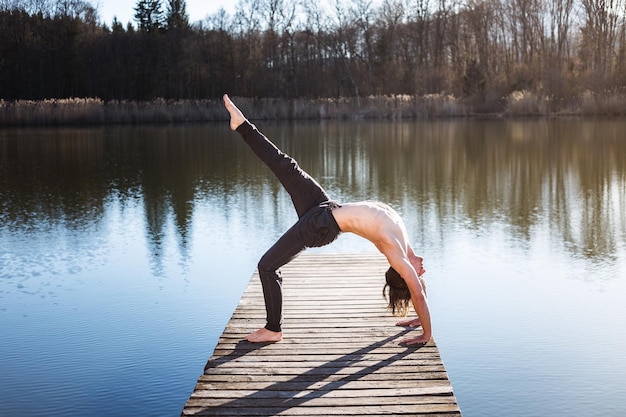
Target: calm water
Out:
[124,251]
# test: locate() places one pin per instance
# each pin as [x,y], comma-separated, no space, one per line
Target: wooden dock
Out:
[340,353]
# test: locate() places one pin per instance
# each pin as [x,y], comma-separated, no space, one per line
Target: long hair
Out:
[399,294]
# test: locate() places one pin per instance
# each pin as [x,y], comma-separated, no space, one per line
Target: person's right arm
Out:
[398,259]
[418,265]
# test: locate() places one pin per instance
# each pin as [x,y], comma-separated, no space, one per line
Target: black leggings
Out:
[315,227]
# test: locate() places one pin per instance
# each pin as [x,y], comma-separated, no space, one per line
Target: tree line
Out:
[481,50]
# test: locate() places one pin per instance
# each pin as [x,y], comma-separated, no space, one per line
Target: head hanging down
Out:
[398,292]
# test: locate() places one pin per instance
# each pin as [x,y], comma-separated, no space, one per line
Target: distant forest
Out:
[483,50]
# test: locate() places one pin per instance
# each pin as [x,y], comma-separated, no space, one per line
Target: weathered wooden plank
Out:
[341,354]
[316,377]
[324,370]
[317,363]
[363,332]
[426,402]
[334,402]
[294,408]
[329,344]
[296,384]
[417,392]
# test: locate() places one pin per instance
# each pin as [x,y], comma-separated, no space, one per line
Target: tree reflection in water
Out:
[568,176]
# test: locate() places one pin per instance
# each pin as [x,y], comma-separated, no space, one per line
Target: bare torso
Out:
[381,225]
[374,221]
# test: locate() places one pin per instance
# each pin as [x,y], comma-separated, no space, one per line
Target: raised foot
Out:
[264,336]
[236,116]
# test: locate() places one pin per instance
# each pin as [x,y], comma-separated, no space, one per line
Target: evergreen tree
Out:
[177,18]
[148,15]
[116,26]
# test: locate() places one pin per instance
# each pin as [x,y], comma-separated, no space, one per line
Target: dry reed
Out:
[94,111]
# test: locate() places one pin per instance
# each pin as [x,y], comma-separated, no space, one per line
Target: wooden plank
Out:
[340,354]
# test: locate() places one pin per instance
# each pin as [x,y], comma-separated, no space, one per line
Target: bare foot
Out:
[419,340]
[409,323]
[264,335]
[236,116]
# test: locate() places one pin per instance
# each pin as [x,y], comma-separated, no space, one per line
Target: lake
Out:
[124,252]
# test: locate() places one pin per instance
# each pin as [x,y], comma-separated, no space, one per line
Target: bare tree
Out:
[475,38]
[559,14]
[390,56]
[525,20]
[418,23]
[361,14]
[600,32]
[249,55]
[343,46]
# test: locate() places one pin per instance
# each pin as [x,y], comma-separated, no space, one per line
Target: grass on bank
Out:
[94,111]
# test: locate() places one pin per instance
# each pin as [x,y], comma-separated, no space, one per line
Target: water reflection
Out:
[567,176]
[117,244]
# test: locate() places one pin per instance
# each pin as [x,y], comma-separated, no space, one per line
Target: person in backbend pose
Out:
[320,221]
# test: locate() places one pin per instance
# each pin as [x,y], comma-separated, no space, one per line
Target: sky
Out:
[124,9]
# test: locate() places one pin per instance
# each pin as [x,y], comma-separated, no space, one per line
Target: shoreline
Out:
[97,112]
